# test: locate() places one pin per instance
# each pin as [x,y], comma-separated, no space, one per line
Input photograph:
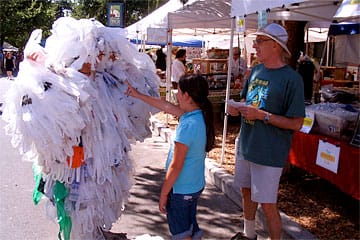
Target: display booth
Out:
[330,147]
[304,153]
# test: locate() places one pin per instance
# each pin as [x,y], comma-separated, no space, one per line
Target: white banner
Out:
[157,35]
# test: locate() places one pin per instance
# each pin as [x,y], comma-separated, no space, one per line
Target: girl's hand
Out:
[86,69]
[131,91]
[162,203]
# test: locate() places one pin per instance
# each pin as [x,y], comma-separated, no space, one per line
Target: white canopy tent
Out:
[7,47]
[348,11]
[210,14]
[215,24]
[157,19]
[293,10]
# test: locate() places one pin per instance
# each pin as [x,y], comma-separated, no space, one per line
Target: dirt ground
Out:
[314,203]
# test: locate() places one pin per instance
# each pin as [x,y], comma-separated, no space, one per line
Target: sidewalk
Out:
[220,178]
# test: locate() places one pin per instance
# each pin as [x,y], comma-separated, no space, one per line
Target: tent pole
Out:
[143,43]
[307,42]
[245,52]
[323,53]
[327,51]
[137,39]
[228,81]
[168,67]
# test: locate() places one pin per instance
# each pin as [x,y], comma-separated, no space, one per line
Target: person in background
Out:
[19,58]
[160,62]
[274,108]
[238,68]
[9,64]
[306,68]
[253,61]
[174,49]
[2,57]
[185,165]
[178,67]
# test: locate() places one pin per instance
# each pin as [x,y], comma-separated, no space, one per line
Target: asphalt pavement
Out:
[219,211]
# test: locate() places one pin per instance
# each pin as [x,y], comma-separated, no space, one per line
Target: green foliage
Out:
[90,9]
[137,9]
[20,17]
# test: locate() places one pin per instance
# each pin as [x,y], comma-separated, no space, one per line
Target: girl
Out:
[185,165]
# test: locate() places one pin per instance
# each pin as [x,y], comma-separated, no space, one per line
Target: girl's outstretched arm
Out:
[163,105]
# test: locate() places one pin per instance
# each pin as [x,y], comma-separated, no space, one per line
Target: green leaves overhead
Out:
[20,17]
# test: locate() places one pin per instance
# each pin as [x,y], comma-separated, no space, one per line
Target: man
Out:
[238,69]
[274,97]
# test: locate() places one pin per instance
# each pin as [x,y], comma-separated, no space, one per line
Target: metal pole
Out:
[137,39]
[227,90]
[168,68]
[307,42]
[323,53]
[327,51]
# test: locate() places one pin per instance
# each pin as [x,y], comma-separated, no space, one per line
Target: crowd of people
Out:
[271,109]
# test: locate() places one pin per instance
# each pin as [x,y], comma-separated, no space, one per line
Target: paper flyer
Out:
[328,156]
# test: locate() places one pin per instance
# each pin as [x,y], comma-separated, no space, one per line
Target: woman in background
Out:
[178,67]
[9,64]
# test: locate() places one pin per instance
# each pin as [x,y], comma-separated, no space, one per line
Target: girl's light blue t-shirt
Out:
[191,131]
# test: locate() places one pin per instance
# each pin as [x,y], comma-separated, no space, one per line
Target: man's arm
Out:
[253,113]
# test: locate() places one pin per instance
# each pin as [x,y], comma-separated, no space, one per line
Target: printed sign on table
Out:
[308,122]
[328,156]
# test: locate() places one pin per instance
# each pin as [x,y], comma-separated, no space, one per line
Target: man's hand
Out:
[231,110]
[250,112]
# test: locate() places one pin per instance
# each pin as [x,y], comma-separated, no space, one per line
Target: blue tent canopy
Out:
[344,29]
[183,43]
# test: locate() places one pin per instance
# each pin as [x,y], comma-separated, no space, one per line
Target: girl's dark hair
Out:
[180,53]
[198,89]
